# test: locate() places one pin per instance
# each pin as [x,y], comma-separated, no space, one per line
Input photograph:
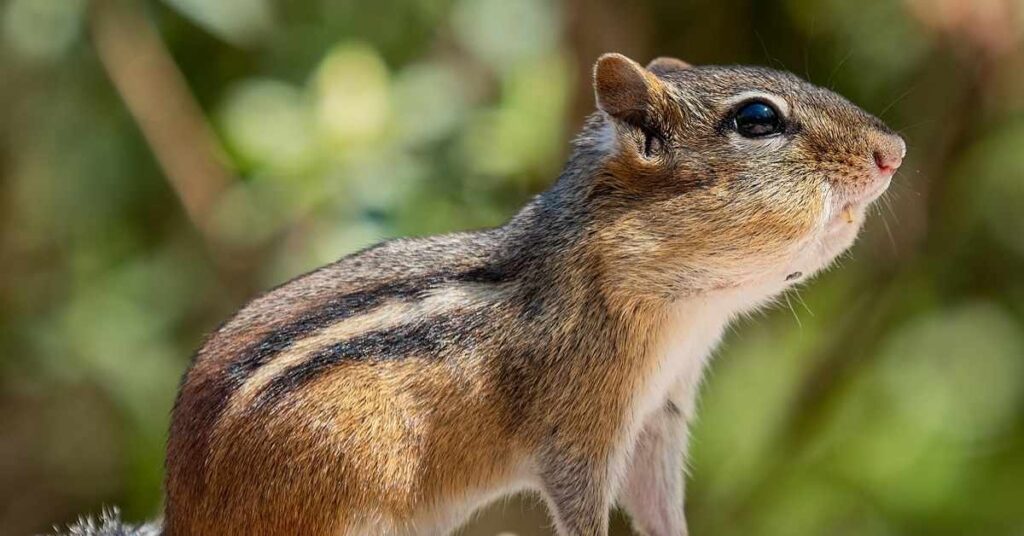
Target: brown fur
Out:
[398,389]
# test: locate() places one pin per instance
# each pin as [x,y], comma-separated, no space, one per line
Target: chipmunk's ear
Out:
[665,64]
[627,91]
[638,100]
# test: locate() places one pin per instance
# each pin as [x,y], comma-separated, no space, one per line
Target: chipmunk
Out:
[403,387]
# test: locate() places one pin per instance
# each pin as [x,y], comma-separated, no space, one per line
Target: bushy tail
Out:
[108,524]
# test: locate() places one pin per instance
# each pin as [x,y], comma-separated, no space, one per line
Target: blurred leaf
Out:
[239,22]
[429,102]
[504,34]
[351,87]
[522,132]
[270,125]
[42,29]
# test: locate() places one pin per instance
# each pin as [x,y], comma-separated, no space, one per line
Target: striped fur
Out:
[400,388]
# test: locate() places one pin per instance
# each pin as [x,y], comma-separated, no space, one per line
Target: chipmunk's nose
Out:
[889,152]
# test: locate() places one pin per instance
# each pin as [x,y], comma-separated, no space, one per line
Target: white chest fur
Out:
[682,353]
[695,327]
[687,340]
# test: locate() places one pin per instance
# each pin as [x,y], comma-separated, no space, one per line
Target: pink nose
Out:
[889,153]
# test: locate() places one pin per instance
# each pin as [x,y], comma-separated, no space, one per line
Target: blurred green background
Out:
[162,161]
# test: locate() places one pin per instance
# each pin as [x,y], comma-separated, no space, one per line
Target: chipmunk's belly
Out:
[449,512]
[459,510]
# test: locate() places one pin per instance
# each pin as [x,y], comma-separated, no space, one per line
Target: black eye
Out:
[757,119]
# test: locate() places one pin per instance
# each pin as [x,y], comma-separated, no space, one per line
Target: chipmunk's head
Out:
[720,177]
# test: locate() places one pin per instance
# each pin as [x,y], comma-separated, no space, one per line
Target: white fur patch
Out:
[605,139]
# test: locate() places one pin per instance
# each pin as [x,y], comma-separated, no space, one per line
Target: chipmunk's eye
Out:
[757,119]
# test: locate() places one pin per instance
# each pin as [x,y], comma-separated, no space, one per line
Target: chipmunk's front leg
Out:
[652,492]
[577,492]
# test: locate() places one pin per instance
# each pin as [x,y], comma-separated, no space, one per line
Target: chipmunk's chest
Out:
[681,352]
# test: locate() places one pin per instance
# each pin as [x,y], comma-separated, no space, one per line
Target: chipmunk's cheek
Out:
[797,205]
[812,208]
[788,220]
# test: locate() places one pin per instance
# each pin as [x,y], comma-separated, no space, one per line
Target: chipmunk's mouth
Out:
[844,212]
[850,209]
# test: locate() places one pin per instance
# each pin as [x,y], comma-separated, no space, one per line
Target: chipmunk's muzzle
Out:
[887,151]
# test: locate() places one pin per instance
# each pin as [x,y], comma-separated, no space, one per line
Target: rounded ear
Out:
[665,64]
[624,89]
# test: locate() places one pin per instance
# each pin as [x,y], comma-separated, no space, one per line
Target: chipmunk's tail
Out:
[108,524]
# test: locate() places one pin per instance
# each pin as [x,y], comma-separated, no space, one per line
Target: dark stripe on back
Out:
[317,318]
[347,306]
[427,337]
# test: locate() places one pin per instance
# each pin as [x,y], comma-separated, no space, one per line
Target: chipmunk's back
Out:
[327,394]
